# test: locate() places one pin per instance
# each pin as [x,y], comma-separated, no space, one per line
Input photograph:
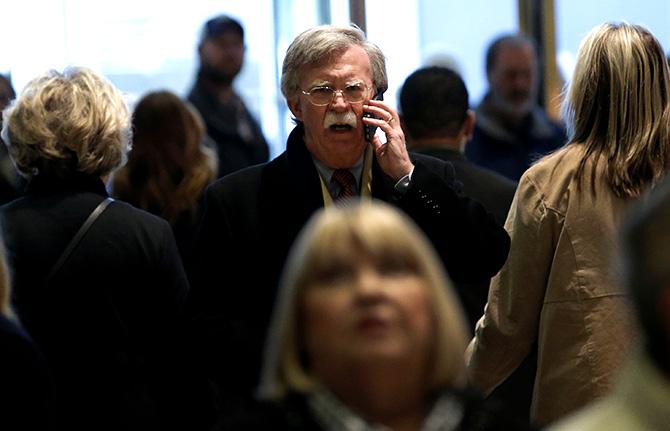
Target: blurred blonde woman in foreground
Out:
[367,330]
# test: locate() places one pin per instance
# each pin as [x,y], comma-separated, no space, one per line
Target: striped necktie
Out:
[347,183]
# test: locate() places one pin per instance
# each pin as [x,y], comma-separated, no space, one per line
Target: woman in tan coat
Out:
[559,285]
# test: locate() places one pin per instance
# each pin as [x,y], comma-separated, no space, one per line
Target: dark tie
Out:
[347,183]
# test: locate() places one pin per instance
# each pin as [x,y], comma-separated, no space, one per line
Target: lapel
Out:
[290,193]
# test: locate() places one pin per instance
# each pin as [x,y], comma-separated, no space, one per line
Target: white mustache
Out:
[342,118]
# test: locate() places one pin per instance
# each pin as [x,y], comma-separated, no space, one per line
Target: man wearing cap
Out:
[238,137]
[330,77]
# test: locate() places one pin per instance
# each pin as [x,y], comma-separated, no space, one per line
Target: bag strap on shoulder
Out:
[79,235]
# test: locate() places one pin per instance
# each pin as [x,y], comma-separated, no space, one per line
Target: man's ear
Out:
[408,136]
[295,107]
[469,124]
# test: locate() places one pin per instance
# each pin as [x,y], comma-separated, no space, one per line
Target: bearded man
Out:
[235,133]
[511,130]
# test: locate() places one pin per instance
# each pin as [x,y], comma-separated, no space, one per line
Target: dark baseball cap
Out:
[220,24]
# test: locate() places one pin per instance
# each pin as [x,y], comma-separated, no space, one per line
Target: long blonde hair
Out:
[618,106]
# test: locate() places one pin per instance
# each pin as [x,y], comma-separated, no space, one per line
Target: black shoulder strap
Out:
[79,235]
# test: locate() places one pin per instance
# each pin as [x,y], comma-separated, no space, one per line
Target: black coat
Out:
[491,189]
[25,391]
[467,409]
[252,217]
[237,136]
[107,321]
[495,193]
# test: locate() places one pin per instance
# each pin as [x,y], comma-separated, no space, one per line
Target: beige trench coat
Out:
[559,287]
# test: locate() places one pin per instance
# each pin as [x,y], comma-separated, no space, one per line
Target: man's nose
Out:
[339,102]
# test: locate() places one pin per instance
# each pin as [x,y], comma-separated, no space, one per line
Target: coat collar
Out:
[74,182]
[304,176]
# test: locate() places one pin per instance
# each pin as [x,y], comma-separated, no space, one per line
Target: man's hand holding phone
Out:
[392,155]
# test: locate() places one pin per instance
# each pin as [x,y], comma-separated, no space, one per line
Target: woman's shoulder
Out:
[136,216]
[553,176]
[563,161]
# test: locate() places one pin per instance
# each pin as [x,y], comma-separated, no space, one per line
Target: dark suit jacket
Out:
[491,189]
[235,150]
[252,217]
[25,392]
[495,193]
[107,320]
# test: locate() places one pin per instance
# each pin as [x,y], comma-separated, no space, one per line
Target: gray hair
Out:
[68,122]
[318,43]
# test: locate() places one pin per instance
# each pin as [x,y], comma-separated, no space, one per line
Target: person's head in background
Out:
[221,50]
[618,105]
[69,123]
[366,311]
[646,259]
[435,110]
[168,166]
[512,74]
[342,58]
[7,93]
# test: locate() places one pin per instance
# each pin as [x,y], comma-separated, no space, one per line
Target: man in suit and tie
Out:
[330,78]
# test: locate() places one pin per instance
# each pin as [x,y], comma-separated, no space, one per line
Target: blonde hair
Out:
[74,121]
[617,106]
[168,167]
[336,234]
[319,43]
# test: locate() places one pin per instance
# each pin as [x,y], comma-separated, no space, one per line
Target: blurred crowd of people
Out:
[435,266]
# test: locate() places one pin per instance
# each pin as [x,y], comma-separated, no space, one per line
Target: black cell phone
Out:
[370,130]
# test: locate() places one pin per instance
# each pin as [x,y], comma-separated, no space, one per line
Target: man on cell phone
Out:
[330,78]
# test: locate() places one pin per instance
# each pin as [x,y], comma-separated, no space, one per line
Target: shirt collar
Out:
[327,174]
[446,414]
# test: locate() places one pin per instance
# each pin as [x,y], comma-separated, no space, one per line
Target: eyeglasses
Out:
[324,95]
